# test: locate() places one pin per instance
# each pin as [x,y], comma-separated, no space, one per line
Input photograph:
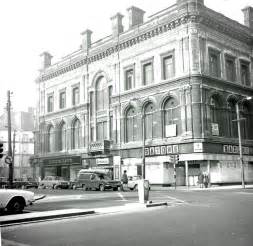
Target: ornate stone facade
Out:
[167,86]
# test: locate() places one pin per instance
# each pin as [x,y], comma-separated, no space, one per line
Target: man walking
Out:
[124,180]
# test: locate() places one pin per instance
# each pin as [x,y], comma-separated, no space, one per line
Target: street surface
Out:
[210,218]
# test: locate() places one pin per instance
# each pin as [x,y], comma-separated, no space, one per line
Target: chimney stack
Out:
[86,39]
[185,6]
[248,17]
[117,26]
[46,59]
[135,16]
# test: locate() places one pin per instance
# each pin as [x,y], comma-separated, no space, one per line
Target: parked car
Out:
[54,182]
[98,180]
[133,182]
[25,183]
[14,201]
[3,182]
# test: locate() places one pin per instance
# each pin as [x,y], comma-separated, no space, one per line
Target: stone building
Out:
[166,86]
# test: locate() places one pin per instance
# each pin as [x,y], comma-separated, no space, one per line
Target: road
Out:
[220,218]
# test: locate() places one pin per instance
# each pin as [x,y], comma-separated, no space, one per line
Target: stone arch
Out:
[148,101]
[97,76]
[217,95]
[166,97]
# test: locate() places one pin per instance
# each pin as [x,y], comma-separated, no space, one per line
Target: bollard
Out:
[143,190]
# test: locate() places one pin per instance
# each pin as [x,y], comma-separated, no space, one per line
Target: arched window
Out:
[232,124]
[62,136]
[216,116]
[131,125]
[246,123]
[101,94]
[171,118]
[51,139]
[76,134]
[149,121]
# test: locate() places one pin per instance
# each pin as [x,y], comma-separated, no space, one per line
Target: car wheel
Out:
[135,187]
[115,188]
[101,187]
[16,205]
[74,187]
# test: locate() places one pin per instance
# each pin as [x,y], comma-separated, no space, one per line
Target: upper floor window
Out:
[230,68]
[101,94]
[51,139]
[147,72]
[75,95]
[76,134]
[131,125]
[50,103]
[245,75]
[168,65]
[110,95]
[214,63]
[101,130]
[129,78]
[62,99]
[150,121]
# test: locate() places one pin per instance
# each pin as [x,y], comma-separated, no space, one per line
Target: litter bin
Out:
[143,190]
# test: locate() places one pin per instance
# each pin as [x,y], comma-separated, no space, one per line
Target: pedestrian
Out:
[200,180]
[124,180]
[206,180]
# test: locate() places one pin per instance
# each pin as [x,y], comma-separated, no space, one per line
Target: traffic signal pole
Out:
[9,137]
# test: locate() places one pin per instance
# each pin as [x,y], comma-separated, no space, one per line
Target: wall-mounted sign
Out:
[198,147]
[171,130]
[72,160]
[215,129]
[102,161]
[161,150]
[234,149]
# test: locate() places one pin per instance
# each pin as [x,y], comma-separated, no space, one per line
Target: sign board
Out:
[198,147]
[102,161]
[171,130]
[215,129]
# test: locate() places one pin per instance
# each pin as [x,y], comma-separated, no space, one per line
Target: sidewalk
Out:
[197,188]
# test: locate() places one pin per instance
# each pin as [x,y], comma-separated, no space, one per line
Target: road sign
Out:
[8,159]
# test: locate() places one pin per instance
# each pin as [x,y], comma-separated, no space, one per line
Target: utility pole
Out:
[9,137]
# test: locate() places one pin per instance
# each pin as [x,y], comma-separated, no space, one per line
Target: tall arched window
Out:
[76,134]
[171,118]
[131,125]
[149,121]
[246,130]
[232,124]
[101,94]
[216,116]
[62,136]
[51,139]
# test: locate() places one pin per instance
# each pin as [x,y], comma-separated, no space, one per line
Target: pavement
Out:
[8,220]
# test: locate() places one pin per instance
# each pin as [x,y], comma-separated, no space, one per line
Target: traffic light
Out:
[176,159]
[1,150]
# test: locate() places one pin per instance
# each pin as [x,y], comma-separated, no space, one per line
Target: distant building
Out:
[167,86]
[23,144]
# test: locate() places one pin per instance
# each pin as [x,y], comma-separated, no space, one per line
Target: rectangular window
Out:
[92,134]
[129,79]
[111,127]
[168,65]
[245,74]
[101,131]
[147,71]
[214,63]
[62,100]
[110,95]
[75,96]
[230,68]
[50,103]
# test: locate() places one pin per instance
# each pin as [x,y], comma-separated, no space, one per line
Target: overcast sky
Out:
[29,27]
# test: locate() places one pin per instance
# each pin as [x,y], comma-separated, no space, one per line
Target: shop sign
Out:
[234,149]
[198,147]
[215,129]
[102,161]
[171,130]
[100,146]
[161,150]
[63,161]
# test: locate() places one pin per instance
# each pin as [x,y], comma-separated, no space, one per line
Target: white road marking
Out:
[121,196]
[12,243]
[175,199]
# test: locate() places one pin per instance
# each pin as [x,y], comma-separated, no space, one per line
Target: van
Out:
[94,179]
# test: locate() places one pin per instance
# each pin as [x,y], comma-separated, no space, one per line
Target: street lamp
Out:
[238,119]
[143,146]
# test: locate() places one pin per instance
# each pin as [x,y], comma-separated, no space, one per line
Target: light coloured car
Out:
[54,182]
[14,201]
[133,182]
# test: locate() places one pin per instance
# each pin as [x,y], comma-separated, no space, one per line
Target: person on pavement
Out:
[200,180]
[124,180]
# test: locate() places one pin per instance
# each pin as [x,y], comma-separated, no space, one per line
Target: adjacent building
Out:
[166,86]
[22,143]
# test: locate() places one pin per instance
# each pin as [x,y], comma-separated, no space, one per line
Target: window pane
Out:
[245,74]
[147,73]
[230,69]
[168,67]
[129,79]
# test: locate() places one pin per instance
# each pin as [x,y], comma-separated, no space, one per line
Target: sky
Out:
[30,27]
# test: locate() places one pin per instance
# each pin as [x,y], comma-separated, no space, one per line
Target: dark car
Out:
[89,179]
[25,183]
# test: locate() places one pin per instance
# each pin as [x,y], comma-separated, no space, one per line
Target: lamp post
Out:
[238,119]
[143,146]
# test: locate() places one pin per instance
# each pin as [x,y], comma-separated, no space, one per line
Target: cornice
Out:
[207,18]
